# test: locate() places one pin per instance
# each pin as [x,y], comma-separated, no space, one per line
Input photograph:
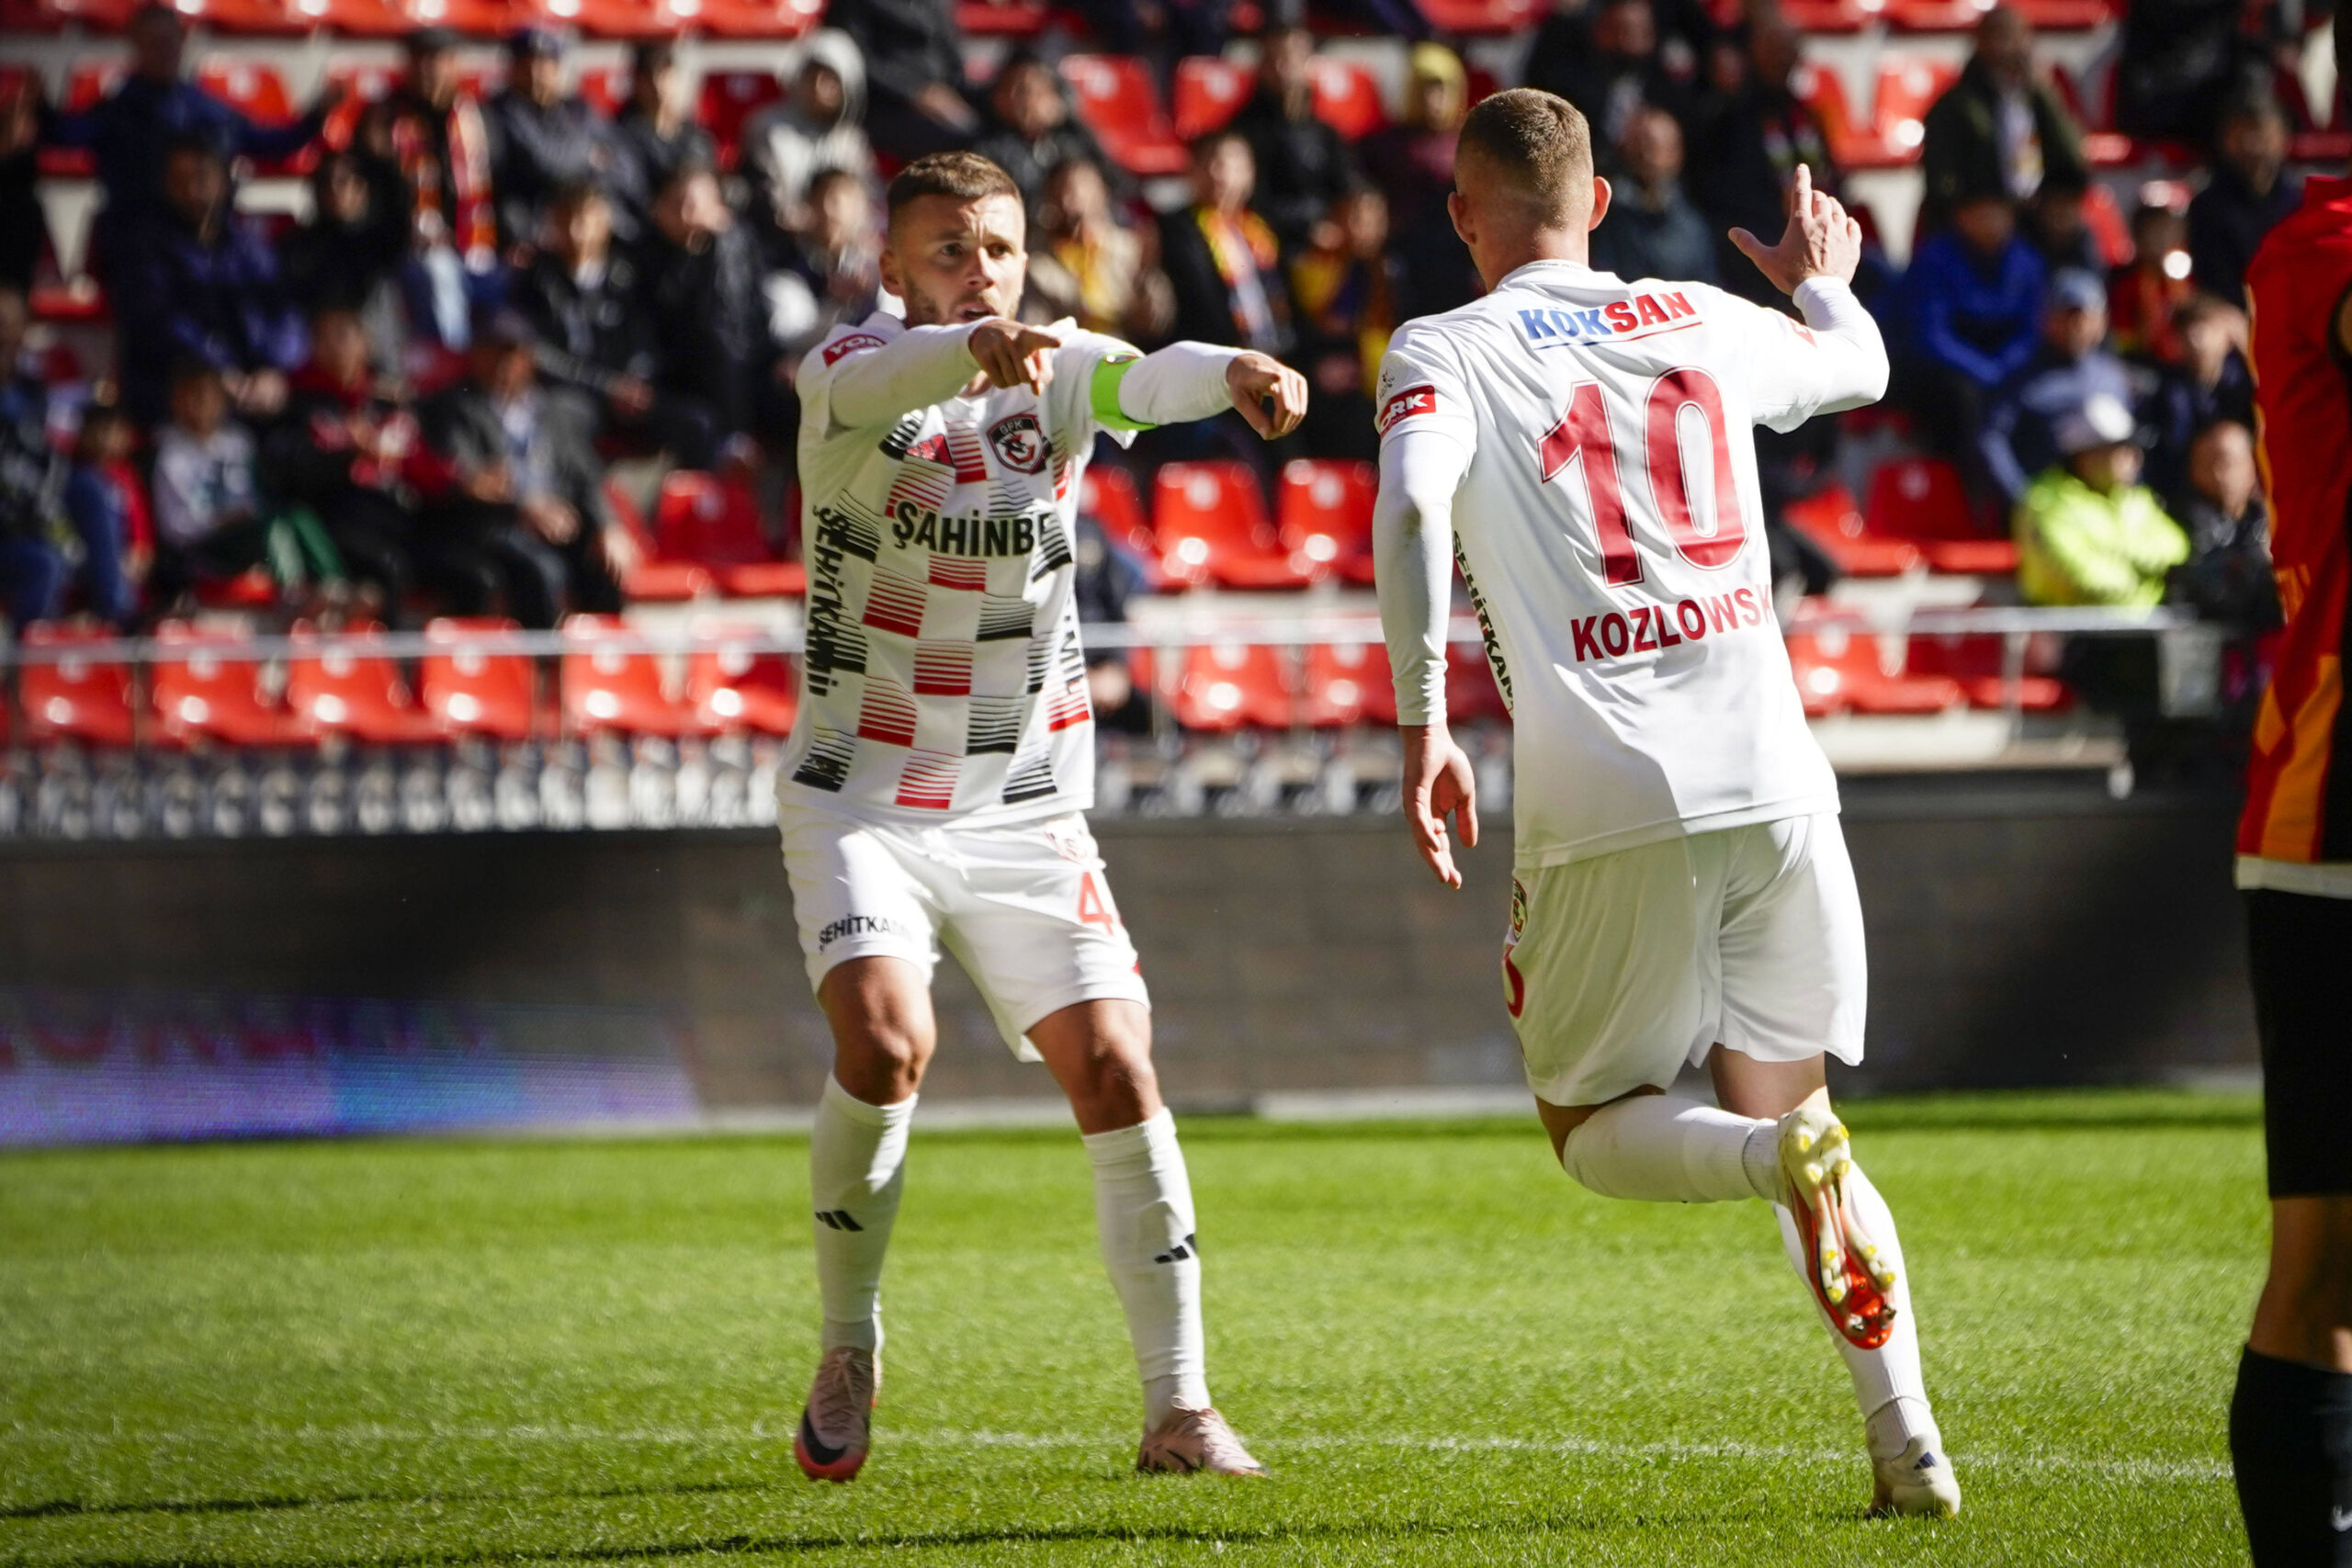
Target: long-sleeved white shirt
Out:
[1581,445]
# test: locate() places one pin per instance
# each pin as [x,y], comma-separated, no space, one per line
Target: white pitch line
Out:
[1595,1448]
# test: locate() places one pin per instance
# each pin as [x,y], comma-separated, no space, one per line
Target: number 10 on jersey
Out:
[1583,438]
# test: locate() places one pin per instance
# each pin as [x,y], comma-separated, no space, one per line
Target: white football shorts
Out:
[1620,969]
[1026,908]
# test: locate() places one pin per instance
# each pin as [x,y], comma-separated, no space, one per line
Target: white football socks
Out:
[1143,1208]
[1887,1382]
[1661,1149]
[857,1160]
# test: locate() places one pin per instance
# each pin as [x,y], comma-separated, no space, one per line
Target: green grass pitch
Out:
[476,1351]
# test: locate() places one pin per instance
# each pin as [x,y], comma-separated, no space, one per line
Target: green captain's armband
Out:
[1102,395]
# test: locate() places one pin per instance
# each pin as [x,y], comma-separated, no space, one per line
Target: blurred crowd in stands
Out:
[408,401]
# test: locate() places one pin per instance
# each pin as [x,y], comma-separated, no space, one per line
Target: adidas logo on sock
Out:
[839,1220]
[1188,1247]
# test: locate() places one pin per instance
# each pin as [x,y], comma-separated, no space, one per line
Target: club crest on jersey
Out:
[1019,443]
[1405,404]
[1556,327]
[856,342]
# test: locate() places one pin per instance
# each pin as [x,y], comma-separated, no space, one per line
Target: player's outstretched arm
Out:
[1413,543]
[929,364]
[1186,381]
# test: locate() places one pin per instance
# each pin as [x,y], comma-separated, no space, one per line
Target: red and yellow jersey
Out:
[2298,783]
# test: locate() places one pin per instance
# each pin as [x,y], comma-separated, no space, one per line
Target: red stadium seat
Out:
[1210,522]
[1119,103]
[1002,18]
[1830,16]
[1471,693]
[1233,686]
[362,86]
[254,90]
[1975,663]
[470,692]
[1837,670]
[2069,15]
[1323,510]
[200,694]
[1907,90]
[74,699]
[1348,683]
[1346,97]
[730,99]
[1921,501]
[714,524]
[748,18]
[1935,16]
[1831,520]
[1482,15]
[605,87]
[1210,90]
[652,579]
[345,691]
[736,689]
[1109,495]
[52,16]
[611,688]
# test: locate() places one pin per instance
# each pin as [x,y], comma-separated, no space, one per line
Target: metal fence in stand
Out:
[328,784]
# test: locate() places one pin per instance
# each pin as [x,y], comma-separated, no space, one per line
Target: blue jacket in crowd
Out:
[1982,319]
[129,131]
[222,303]
[2018,441]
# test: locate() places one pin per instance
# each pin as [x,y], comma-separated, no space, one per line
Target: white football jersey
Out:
[942,678]
[1612,537]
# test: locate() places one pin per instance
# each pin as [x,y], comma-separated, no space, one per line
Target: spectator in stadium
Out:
[819,126]
[580,294]
[2144,293]
[1998,127]
[1652,230]
[541,138]
[701,287]
[24,224]
[350,453]
[1964,320]
[2068,369]
[1029,130]
[1086,262]
[430,132]
[2181,61]
[914,71]
[99,507]
[208,509]
[1412,162]
[1753,131]
[197,282]
[2087,531]
[2209,384]
[2057,223]
[516,515]
[2227,576]
[1104,578]
[1347,296]
[351,250]
[1224,264]
[1608,67]
[32,479]
[1302,163]
[654,132]
[154,109]
[2248,191]
[832,273]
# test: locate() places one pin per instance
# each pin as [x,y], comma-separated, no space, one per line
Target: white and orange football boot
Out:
[838,1424]
[1849,1276]
[1196,1439]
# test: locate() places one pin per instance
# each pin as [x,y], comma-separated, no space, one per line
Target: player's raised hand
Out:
[1255,380]
[1010,355]
[1821,241]
[1438,784]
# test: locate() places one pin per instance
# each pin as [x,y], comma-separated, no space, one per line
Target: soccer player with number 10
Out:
[1680,891]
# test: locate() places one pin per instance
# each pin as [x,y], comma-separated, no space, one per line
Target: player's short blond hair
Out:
[962,176]
[1541,143]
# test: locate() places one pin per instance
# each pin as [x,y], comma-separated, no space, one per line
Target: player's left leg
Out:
[1033,923]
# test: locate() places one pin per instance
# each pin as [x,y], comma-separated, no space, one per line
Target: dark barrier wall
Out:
[2022,930]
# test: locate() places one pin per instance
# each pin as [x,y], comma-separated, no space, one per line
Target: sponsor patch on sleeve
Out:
[1405,404]
[856,342]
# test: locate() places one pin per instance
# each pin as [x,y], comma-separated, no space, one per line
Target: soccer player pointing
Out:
[1680,893]
[933,788]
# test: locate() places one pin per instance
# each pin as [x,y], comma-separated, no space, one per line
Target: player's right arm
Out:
[856,380]
[1426,440]
[1836,359]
